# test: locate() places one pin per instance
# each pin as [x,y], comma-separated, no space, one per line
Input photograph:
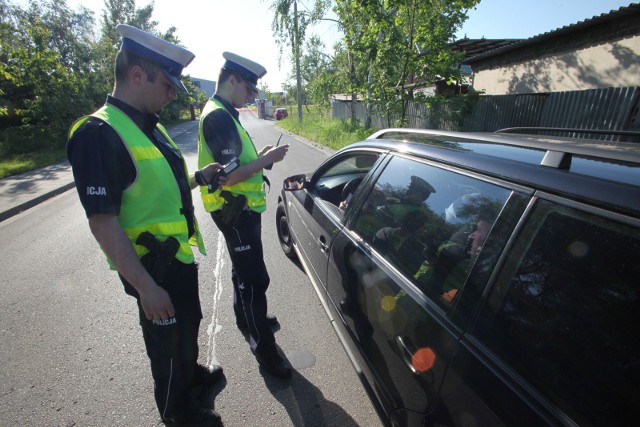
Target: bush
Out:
[20,140]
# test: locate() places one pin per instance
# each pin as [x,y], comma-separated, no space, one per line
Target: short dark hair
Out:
[225,73]
[125,60]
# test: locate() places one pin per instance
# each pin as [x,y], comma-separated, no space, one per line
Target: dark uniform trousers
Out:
[249,276]
[172,344]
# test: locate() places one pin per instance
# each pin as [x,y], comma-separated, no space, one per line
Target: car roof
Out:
[622,151]
[598,171]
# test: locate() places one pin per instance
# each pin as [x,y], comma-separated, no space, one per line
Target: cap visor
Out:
[175,81]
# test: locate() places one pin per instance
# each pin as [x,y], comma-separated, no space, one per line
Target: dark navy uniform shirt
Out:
[220,132]
[103,168]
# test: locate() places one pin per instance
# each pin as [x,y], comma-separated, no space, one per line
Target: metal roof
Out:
[473,47]
[479,51]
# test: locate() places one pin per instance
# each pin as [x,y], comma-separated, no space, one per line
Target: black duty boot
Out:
[207,375]
[241,323]
[275,364]
[197,417]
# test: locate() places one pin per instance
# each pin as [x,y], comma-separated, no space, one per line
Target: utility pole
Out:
[296,50]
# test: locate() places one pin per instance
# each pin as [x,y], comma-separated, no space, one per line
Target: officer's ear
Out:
[232,80]
[136,74]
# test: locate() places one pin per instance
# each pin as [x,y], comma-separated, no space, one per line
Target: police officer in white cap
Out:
[134,186]
[236,208]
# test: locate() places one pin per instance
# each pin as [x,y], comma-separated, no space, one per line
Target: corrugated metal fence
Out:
[606,109]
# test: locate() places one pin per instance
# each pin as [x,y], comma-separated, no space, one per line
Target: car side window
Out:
[429,223]
[338,182]
[565,313]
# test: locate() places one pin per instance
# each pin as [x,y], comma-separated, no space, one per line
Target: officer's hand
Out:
[211,170]
[157,304]
[276,154]
[264,150]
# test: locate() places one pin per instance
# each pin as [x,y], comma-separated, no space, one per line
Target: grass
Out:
[18,163]
[320,127]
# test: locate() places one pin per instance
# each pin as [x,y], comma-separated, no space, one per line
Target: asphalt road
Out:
[72,352]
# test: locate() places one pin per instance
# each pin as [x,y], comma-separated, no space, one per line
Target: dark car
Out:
[479,279]
[280,113]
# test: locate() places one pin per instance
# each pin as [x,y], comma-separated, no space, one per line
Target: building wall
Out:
[615,64]
[207,86]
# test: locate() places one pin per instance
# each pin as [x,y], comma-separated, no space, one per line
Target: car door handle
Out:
[323,244]
[407,351]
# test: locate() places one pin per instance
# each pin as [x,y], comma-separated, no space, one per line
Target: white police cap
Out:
[170,57]
[250,71]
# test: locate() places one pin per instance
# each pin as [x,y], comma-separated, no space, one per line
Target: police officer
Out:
[236,208]
[134,186]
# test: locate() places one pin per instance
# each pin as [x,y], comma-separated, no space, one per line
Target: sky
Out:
[210,27]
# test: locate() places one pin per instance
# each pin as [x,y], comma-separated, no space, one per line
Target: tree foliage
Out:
[284,22]
[318,73]
[54,68]
[390,48]
[289,27]
[402,44]
[44,62]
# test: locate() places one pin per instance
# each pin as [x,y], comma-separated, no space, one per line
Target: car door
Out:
[556,341]
[387,283]
[315,215]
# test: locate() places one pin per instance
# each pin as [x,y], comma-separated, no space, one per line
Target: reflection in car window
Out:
[565,313]
[429,223]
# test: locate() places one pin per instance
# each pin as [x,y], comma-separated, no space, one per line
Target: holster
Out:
[160,257]
[234,204]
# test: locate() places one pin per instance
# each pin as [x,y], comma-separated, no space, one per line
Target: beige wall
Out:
[609,65]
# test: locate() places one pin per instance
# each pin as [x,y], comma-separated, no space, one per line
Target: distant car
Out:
[479,279]
[281,113]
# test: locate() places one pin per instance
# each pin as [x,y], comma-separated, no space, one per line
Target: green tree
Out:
[317,72]
[125,12]
[289,27]
[43,71]
[53,68]
[404,44]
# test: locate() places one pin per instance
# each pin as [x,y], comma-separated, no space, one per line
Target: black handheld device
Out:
[270,165]
[226,170]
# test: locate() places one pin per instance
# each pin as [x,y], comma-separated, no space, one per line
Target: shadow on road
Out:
[306,404]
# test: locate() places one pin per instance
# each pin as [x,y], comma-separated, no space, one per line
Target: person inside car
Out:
[453,262]
[445,273]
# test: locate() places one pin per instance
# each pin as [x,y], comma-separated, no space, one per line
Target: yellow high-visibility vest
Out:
[152,203]
[252,188]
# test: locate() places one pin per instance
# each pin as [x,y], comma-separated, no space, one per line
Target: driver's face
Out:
[478,236]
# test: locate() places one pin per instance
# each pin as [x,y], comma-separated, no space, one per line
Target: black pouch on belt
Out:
[232,207]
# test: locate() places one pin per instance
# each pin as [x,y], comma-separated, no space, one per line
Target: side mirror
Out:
[295,182]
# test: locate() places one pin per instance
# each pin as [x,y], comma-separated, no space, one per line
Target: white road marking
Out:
[215,327]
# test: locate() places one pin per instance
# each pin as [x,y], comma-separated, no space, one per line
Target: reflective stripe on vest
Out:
[252,188]
[154,185]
